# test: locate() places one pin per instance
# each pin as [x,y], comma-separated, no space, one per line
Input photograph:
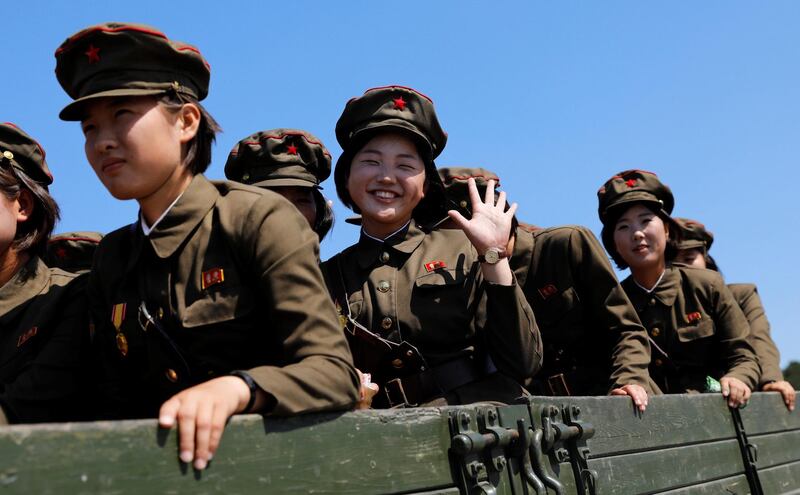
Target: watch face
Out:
[492,256]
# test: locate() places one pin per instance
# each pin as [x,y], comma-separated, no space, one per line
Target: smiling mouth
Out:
[640,249]
[384,195]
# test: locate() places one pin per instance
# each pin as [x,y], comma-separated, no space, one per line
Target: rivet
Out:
[171,375]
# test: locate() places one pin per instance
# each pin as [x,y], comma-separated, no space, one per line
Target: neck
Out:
[648,276]
[155,204]
[382,230]
[10,263]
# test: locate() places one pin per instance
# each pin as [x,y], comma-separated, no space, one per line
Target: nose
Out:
[638,235]
[385,175]
[104,141]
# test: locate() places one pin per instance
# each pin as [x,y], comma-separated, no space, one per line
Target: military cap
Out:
[632,186]
[279,157]
[391,108]
[22,152]
[694,235]
[72,251]
[456,190]
[119,59]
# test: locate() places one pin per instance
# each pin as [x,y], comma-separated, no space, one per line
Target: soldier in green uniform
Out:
[212,302]
[45,337]
[72,251]
[593,341]
[434,315]
[696,328]
[693,250]
[290,162]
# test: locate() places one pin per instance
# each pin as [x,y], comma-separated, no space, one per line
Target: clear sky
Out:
[555,97]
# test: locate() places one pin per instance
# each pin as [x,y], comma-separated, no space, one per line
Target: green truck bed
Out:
[688,444]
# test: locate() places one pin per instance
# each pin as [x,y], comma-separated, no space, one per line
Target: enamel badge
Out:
[211,277]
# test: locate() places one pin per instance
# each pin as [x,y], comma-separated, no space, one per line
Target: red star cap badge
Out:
[630,182]
[93,53]
[291,149]
[61,252]
[399,103]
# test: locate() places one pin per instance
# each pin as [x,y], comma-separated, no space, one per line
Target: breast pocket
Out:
[218,306]
[440,304]
[553,310]
[694,333]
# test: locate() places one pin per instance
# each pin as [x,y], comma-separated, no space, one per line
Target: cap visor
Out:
[285,182]
[74,111]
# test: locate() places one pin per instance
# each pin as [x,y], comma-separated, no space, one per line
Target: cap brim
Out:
[691,244]
[73,111]
[354,220]
[363,135]
[285,182]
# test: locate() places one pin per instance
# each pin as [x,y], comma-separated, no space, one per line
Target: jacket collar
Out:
[183,217]
[665,292]
[404,241]
[29,281]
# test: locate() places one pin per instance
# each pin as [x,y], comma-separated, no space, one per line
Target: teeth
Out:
[385,194]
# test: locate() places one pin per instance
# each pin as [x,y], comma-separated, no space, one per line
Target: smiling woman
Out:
[697,331]
[434,315]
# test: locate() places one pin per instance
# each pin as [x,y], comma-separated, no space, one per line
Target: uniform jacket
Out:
[427,289]
[230,280]
[746,296]
[590,331]
[697,327]
[44,344]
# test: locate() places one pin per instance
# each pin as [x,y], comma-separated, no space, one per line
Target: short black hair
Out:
[324,221]
[198,152]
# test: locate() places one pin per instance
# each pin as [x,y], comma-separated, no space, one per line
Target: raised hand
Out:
[490,225]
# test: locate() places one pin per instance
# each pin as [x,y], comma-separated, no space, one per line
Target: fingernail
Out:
[166,420]
[186,456]
[200,464]
[210,456]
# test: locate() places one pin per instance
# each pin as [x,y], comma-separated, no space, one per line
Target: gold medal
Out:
[122,344]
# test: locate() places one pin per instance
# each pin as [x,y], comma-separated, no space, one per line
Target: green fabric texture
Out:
[632,186]
[22,152]
[115,59]
[694,235]
[279,157]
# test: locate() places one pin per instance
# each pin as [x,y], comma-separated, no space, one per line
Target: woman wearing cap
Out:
[45,338]
[291,163]
[435,316]
[693,250]
[212,302]
[697,331]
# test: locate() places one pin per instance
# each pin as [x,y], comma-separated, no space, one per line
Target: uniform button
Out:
[655,332]
[652,301]
[386,323]
[160,313]
[658,362]
[383,286]
[463,204]
[171,375]
[245,176]
[9,155]
[384,257]
[397,363]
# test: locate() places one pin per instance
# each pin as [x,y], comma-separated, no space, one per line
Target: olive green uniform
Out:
[44,345]
[593,340]
[227,280]
[427,290]
[746,295]
[697,330]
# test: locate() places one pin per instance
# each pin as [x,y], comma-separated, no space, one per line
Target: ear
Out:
[189,122]
[24,205]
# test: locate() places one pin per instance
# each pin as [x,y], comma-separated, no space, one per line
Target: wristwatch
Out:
[491,256]
[251,384]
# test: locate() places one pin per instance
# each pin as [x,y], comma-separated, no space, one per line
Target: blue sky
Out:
[554,97]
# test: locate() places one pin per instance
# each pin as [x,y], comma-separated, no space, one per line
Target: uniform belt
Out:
[434,382]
